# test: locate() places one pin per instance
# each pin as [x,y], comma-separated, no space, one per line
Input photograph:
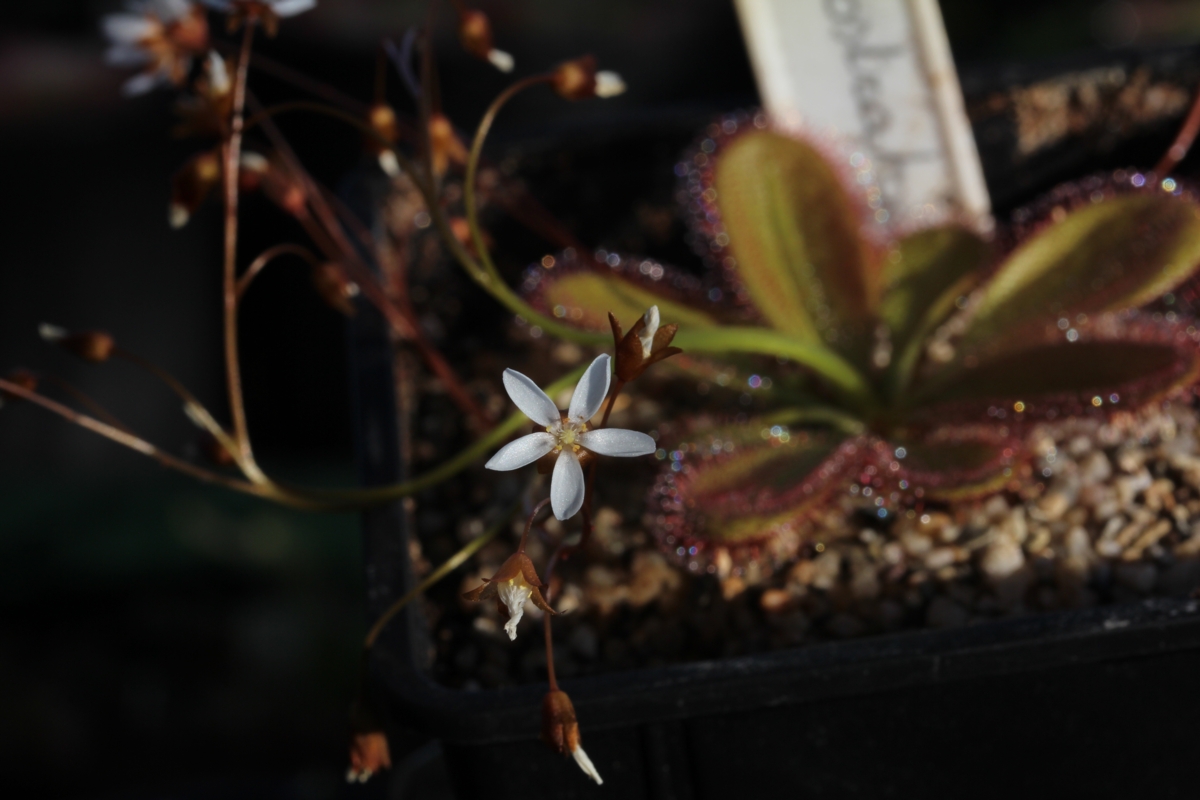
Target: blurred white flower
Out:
[567,438]
[160,36]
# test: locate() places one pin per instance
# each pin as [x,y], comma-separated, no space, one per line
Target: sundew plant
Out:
[904,362]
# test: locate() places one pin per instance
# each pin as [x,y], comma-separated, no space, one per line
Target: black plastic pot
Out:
[1099,703]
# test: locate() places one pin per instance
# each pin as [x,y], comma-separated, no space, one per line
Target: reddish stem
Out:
[233,148]
[529,524]
[1183,140]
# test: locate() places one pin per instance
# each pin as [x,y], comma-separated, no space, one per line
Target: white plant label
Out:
[879,71]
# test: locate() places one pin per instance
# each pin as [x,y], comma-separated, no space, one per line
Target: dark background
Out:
[160,638]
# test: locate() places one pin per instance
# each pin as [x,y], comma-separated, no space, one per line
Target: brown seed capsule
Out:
[475,33]
[335,288]
[94,346]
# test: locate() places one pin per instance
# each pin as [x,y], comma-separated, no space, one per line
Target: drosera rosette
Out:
[916,358]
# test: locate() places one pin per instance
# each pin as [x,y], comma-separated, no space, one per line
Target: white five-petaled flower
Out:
[161,36]
[568,438]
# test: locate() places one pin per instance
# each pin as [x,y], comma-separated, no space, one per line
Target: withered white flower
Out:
[513,585]
[567,437]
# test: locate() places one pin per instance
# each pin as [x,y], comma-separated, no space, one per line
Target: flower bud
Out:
[335,288]
[444,145]
[93,346]
[646,343]
[578,80]
[475,33]
[560,730]
[191,184]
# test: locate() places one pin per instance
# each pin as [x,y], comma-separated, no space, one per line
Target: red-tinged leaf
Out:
[1112,363]
[953,464]
[743,486]
[919,270]
[794,232]
[1109,256]
[584,295]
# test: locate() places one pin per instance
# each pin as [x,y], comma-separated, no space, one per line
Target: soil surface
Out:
[1111,514]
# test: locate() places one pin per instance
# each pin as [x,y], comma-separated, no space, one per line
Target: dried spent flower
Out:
[560,730]
[94,346]
[578,79]
[382,119]
[338,291]
[368,755]
[444,145]
[515,583]
[646,343]
[206,111]
[191,184]
[568,438]
[475,33]
[161,36]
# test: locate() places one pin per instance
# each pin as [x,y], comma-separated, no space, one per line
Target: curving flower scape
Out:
[916,358]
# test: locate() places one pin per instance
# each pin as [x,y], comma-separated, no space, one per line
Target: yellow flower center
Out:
[566,435]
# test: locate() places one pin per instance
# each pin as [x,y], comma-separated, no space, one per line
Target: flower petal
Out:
[590,391]
[618,442]
[290,8]
[521,452]
[585,764]
[532,401]
[566,486]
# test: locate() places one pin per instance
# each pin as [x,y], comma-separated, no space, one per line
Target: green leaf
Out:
[1117,254]
[795,234]
[919,270]
[744,485]
[584,298]
[1134,361]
